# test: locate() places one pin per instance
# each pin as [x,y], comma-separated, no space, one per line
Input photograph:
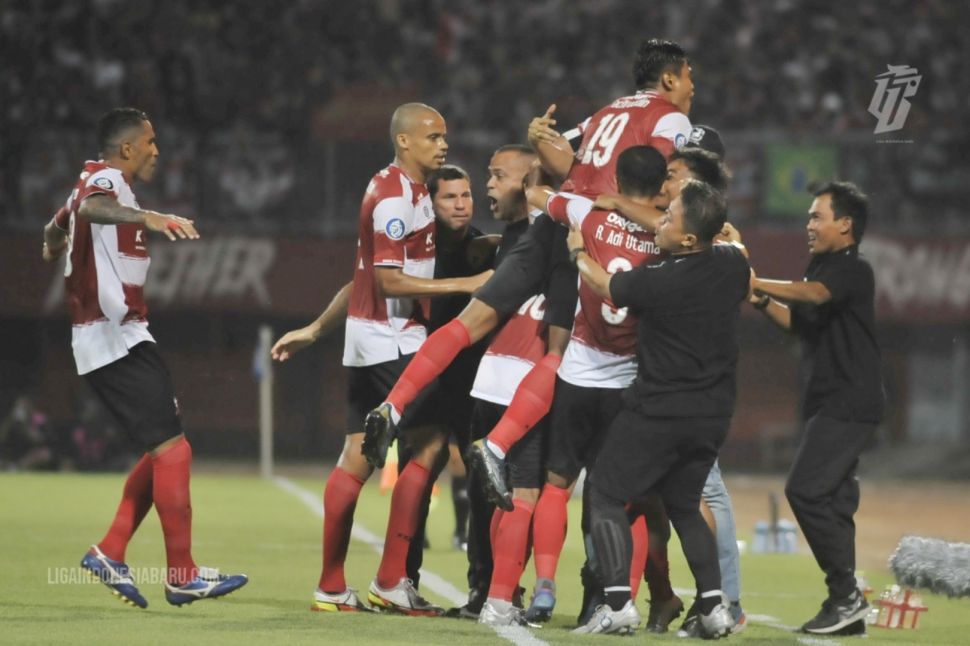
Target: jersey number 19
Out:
[604,139]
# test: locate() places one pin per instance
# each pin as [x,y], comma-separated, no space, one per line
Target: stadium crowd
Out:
[238,85]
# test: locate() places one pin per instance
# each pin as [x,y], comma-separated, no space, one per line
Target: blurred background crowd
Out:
[272,117]
[260,106]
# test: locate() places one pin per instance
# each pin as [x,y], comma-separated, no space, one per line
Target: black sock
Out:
[616,599]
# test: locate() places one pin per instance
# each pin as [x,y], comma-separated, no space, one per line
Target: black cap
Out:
[706,138]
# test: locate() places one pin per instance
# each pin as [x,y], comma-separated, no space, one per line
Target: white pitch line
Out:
[518,635]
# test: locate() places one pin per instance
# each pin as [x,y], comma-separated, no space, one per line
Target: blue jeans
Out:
[716,496]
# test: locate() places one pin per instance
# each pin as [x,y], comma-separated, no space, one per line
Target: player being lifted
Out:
[655,115]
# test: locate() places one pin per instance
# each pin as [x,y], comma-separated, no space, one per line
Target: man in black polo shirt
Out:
[833,311]
[676,414]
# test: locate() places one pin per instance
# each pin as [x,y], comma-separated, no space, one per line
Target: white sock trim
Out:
[617,588]
[711,593]
[495,448]
[395,416]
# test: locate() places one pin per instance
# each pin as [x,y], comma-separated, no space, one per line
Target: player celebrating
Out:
[102,230]
[600,360]
[393,268]
[656,116]
[676,415]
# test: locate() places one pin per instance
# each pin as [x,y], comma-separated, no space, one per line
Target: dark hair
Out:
[519,148]
[848,201]
[446,173]
[640,171]
[654,57]
[116,121]
[705,210]
[704,165]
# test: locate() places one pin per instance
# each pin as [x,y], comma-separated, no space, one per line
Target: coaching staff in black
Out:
[676,414]
[833,311]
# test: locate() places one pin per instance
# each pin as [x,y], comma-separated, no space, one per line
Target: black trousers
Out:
[824,495]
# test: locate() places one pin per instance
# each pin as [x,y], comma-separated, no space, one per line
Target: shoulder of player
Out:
[389,182]
[100,175]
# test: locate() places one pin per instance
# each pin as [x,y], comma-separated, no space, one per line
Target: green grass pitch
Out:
[245,524]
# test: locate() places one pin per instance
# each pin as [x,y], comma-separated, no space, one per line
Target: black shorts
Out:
[368,387]
[524,268]
[451,404]
[672,455]
[580,419]
[138,391]
[526,460]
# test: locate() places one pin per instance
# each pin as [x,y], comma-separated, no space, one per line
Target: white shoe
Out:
[717,623]
[402,598]
[497,612]
[606,620]
[346,601]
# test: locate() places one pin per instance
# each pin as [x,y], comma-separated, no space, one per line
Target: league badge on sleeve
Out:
[680,140]
[395,228]
[105,183]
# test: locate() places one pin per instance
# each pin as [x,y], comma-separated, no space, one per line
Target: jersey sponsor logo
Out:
[395,228]
[618,220]
[105,183]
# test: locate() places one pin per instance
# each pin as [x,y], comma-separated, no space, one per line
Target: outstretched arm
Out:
[295,340]
[554,151]
[393,282]
[102,209]
[809,291]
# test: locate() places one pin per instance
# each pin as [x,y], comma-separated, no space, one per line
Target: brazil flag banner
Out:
[791,168]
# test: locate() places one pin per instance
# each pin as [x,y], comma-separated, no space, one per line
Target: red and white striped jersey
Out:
[602,348]
[518,346]
[644,119]
[397,229]
[104,274]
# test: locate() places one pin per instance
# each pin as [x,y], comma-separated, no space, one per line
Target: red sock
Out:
[549,529]
[435,354]
[510,550]
[493,527]
[530,403]
[171,471]
[657,570]
[402,523]
[639,561]
[339,501]
[136,500]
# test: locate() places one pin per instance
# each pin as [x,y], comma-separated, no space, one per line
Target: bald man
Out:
[393,279]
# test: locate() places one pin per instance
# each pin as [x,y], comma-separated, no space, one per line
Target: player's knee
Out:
[527,495]
[479,319]
[561,481]
[352,459]
[558,340]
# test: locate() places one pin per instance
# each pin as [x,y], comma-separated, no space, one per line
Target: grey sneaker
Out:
[491,470]
[379,431]
[608,621]
[498,613]
[717,623]
[837,614]
[402,598]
